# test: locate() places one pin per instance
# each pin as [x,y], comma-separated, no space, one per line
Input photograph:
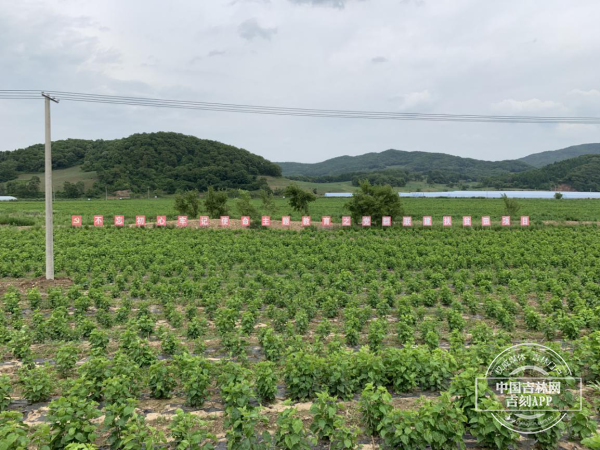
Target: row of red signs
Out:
[386,221]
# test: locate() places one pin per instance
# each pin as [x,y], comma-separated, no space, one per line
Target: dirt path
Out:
[570,222]
[236,224]
[24,284]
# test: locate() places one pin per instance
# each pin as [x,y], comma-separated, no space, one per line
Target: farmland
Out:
[75,174]
[72,175]
[327,339]
[538,209]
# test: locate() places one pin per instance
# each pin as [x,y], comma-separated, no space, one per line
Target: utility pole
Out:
[49,190]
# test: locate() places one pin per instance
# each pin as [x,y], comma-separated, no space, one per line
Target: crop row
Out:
[265,221]
[541,210]
[238,322]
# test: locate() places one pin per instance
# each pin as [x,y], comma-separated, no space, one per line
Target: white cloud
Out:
[307,54]
[332,3]
[531,106]
[379,60]
[592,93]
[250,29]
[578,130]
[413,100]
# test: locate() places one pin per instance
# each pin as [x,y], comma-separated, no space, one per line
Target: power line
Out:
[19,95]
[287,111]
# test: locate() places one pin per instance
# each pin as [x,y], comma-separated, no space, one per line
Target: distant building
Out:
[337,194]
[7,198]
[498,194]
[123,194]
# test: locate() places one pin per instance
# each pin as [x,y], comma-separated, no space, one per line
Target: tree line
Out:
[31,189]
[369,200]
[580,174]
[159,161]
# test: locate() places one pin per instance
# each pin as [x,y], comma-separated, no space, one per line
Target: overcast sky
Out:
[526,57]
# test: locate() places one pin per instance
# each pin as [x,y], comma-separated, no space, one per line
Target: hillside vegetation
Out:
[544,158]
[72,175]
[159,161]
[165,163]
[421,162]
[579,174]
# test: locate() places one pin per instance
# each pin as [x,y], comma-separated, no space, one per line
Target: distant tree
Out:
[233,193]
[73,190]
[23,189]
[374,201]
[511,205]
[244,204]
[558,195]
[215,202]
[33,185]
[298,198]
[8,170]
[188,203]
[268,203]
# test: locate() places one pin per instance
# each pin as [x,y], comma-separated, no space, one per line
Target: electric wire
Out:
[288,111]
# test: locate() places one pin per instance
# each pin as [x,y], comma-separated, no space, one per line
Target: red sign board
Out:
[346,221]
[140,221]
[119,221]
[76,221]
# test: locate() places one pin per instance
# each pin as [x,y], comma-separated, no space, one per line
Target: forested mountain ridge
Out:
[420,162]
[578,174]
[544,158]
[65,153]
[168,162]
[163,160]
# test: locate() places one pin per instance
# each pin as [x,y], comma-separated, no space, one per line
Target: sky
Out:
[522,57]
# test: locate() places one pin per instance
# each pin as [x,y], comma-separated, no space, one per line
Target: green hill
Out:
[420,162]
[579,174]
[159,161]
[544,158]
[72,175]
